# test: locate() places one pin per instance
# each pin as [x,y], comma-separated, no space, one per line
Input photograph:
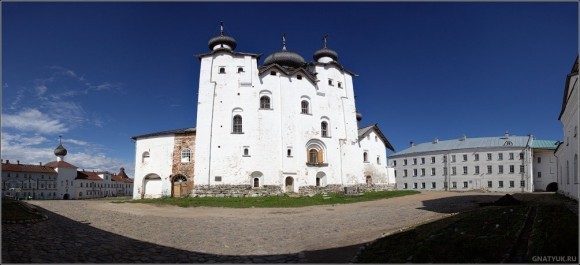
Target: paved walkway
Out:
[97,231]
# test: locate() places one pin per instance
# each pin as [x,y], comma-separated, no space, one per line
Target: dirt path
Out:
[266,231]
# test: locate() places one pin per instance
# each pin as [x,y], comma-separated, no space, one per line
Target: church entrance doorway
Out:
[152,186]
[289,184]
[179,186]
[66,197]
[369,180]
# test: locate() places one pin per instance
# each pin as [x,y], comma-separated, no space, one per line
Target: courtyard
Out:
[98,231]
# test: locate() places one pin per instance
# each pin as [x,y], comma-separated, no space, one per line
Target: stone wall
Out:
[274,190]
[185,140]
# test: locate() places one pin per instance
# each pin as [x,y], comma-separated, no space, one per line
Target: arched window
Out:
[145,157]
[576,168]
[317,182]
[237,128]
[256,182]
[313,156]
[185,155]
[222,70]
[304,105]
[378,160]
[265,102]
[324,129]
[365,157]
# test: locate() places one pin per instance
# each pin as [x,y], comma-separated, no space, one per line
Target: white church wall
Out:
[159,163]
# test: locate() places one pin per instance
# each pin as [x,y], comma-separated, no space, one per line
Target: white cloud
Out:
[33,120]
[77,142]
[11,139]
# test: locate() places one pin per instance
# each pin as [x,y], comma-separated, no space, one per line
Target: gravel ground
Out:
[100,231]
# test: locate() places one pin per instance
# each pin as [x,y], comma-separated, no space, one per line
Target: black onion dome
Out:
[325,52]
[222,39]
[358,116]
[285,58]
[60,151]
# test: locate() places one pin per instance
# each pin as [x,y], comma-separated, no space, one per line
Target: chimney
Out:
[7,161]
[411,143]
[463,137]
[18,162]
[40,163]
[506,135]
[436,140]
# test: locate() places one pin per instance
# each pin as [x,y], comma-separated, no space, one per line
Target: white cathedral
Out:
[285,126]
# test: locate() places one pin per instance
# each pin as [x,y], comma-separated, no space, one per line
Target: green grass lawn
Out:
[273,201]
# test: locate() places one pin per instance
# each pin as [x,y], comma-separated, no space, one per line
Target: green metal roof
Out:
[545,144]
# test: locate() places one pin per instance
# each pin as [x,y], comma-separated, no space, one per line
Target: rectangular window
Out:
[422,185]
[539,174]
[432,171]
[452,158]
[521,156]
[465,184]
[539,160]
[422,160]
[394,163]
[454,184]
[521,168]
[395,173]
[240,69]
[489,184]
[404,173]
[464,170]
[414,161]
[488,156]
[488,169]
[432,159]
[414,172]
[445,184]
[500,184]
[522,183]
[330,82]
[222,70]
[218,178]
[476,158]
[464,158]
[422,172]
[500,156]
[512,184]
[511,156]
[512,169]
[404,162]
[289,152]
[415,185]
[444,171]
[476,169]
[444,159]
[339,85]
[453,171]
[405,186]
[433,185]
[500,169]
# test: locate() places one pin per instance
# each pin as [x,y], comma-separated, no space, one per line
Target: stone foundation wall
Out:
[235,191]
[273,190]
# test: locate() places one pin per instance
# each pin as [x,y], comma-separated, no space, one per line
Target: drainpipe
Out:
[211,131]
[528,163]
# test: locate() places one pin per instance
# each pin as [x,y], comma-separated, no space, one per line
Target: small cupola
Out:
[325,55]
[60,151]
[284,57]
[222,41]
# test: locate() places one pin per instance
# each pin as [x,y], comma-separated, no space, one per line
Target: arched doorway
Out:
[289,184]
[179,188]
[369,180]
[552,187]
[66,196]
[152,186]
[320,179]
[256,179]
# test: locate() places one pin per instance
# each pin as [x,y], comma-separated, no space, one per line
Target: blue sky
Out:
[99,73]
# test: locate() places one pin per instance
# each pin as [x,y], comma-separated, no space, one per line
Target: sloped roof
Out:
[567,93]
[545,144]
[56,164]
[88,175]
[362,132]
[334,63]
[178,131]
[288,71]
[482,142]
[199,56]
[28,168]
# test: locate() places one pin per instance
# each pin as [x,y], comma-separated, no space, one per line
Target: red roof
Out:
[88,175]
[56,164]
[28,168]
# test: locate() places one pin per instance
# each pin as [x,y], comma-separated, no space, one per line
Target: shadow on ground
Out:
[454,204]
